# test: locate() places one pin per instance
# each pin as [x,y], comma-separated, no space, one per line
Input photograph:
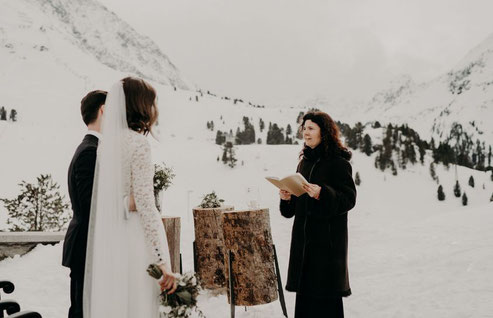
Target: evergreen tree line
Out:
[12,116]
[275,135]
[459,148]
[247,135]
[401,146]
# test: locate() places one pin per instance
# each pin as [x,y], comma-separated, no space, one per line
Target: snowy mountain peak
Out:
[113,42]
[398,87]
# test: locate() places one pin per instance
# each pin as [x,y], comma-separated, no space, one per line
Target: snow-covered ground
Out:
[410,255]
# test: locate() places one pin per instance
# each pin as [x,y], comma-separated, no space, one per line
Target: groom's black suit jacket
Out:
[80,181]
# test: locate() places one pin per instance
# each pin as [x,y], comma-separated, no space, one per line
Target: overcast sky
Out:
[284,50]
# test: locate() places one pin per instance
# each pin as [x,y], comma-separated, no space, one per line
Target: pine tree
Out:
[393,168]
[3,115]
[422,152]
[410,152]
[367,145]
[299,119]
[464,199]
[457,191]
[261,125]
[288,130]
[471,181]
[491,199]
[441,195]
[212,125]
[13,115]
[39,207]
[357,179]
[275,135]
[220,138]
[489,157]
[432,171]
[229,157]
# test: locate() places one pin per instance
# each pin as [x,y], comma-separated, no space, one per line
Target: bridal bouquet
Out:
[183,301]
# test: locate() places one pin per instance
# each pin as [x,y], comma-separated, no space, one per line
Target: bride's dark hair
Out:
[140,101]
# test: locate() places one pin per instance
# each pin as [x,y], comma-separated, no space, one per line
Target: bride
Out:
[126,233]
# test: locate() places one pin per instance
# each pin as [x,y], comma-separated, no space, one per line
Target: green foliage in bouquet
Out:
[211,200]
[183,301]
[162,177]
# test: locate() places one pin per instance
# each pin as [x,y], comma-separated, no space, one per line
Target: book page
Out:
[275,181]
[293,183]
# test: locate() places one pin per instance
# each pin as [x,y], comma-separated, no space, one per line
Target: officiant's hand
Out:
[168,281]
[285,195]
[313,190]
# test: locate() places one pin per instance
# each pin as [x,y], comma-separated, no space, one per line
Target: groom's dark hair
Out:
[90,104]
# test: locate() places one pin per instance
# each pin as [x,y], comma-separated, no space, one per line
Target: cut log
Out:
[247,235]
[172,228]
[209,245]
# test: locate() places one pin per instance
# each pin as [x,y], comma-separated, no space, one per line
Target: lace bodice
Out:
[140,173]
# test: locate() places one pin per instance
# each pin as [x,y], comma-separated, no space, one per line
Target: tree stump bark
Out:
[172,228]
[247,235]
[209,244]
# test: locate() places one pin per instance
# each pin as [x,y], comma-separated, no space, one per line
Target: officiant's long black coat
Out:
[80,181]
[319,241]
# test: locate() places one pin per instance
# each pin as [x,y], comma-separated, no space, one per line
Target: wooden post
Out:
[209,246]
[172,228]
[181,265]
[231,284]
[279,284]
[247,235]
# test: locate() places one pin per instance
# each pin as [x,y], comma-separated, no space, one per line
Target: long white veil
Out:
[105,283]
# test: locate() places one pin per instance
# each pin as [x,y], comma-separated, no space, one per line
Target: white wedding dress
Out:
[122,244]
[147,241]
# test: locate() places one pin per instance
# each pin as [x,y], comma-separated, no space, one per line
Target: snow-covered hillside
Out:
[410,255]
[463,95]
[51,48]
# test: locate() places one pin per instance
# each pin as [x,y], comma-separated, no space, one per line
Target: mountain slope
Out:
[463,95]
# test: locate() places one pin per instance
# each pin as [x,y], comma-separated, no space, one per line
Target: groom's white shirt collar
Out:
[94,133]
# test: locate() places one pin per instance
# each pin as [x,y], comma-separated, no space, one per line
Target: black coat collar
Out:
[91,139]
[313,154]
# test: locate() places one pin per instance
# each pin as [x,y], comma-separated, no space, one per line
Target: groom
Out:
[80,180]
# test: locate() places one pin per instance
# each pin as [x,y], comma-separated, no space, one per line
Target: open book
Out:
[292,183]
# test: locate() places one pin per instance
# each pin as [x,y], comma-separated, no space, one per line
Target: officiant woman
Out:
[318,270]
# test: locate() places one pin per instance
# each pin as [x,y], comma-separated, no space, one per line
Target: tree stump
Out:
[247,235]
[172,228]
[209,245]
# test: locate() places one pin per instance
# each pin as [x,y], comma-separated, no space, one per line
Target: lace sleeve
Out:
[143,190]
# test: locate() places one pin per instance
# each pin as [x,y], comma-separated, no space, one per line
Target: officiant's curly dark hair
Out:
[140,101]
[330,134]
